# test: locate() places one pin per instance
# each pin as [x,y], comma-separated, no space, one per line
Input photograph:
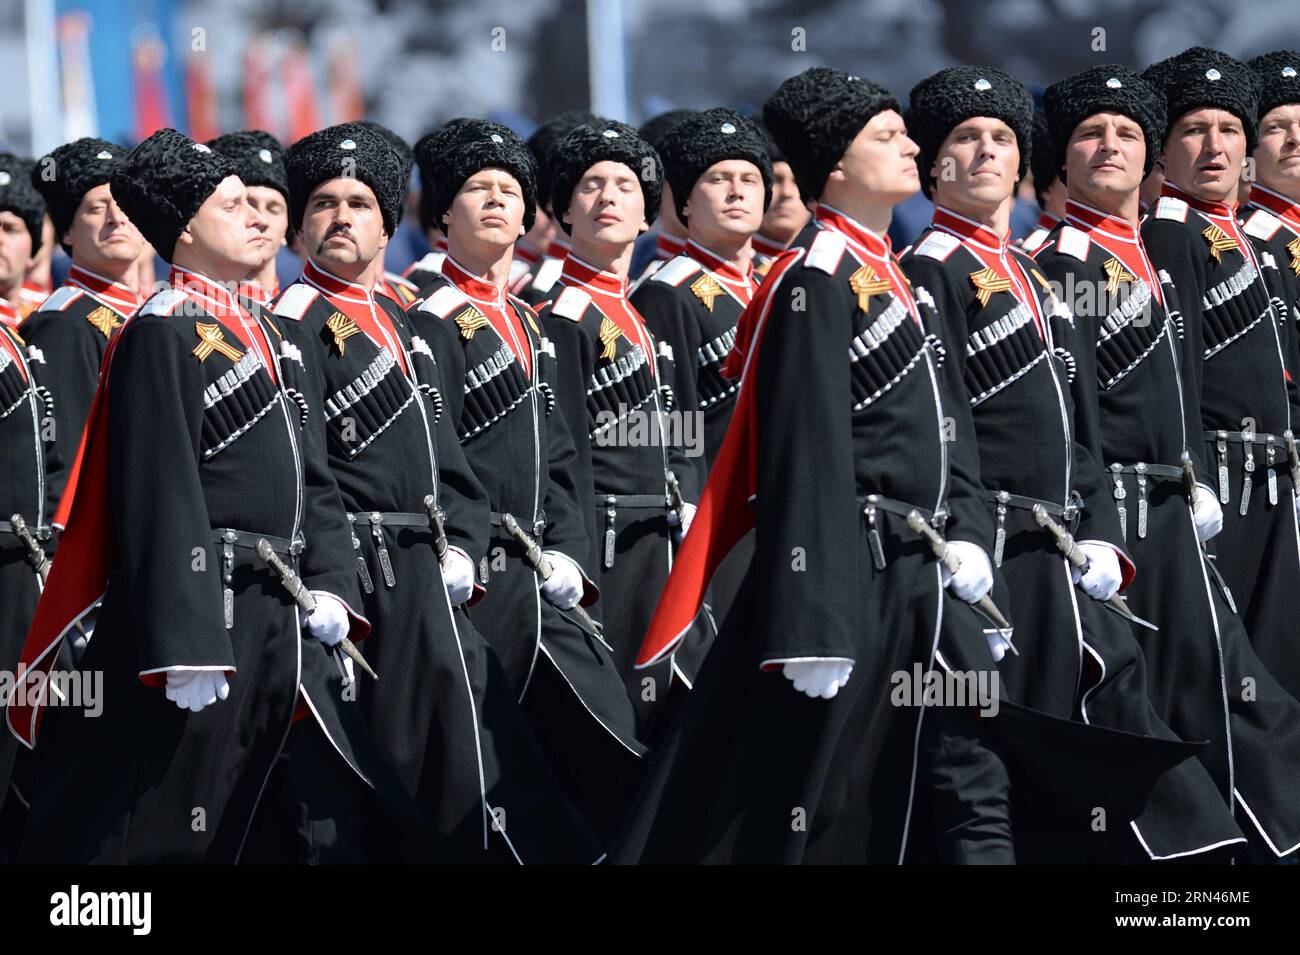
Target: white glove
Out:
[564,588]
[194,689]
[1103,577]
[688,515]
[458,576]
[974,578]
[818,678]
[1207,515]
[999,642]
[328,623]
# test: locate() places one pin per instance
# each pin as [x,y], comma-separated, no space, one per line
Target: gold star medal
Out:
[706,289]
[342,328]
[609,336]
[213,339]
[866,283]
[1220,242]
[470,321]
[987,283]
[1116,273]
[105,320]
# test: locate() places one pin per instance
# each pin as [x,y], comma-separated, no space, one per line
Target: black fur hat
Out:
[163,182]
[259,156]
[1041,163]
[19,197]
[699,141]
[582,148]
[773,150]
[547,135]
[941,102]
[64,175]
[1277,79]
[654,129]
[405,156]
[1111,89]
[816,115]
[427,148]
[1200,77]
[347,150]
[463,147]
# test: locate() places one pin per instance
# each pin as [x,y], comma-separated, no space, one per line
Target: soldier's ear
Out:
[645,227]
[185,237]
[383,239]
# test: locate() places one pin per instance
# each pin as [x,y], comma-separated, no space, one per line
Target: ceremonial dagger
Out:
[35,555]
[920,525]
[542,564]
[436,518]
[1066,544]
[302,596]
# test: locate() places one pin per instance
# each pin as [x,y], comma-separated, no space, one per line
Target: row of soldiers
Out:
[432,568]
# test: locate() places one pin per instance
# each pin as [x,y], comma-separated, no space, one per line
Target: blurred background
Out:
[124,68]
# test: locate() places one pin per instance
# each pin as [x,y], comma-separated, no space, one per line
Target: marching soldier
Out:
[210,536]
[995,313]
[1134,413]
[70,332]
[826,456]
[500,374]
[721,177]
[444,717]
[260,160]
[614,389]
[1235,345]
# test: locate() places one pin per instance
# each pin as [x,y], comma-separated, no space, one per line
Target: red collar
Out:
[668,246]
[578,272]
[1276,203]
[828,217]
[469,283]
[970,230]
[492,302]
[358,304]
[559,248]
[1219,210]
[1047,221]
[766,246]
[335,287]
[720,266]
[117,295]
[254,292]
[440,243]
[8,314]
[1091,219]
[42,289]
[527,253]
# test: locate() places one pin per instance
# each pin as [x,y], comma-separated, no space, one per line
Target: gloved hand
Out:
[818,678]
[564,588]
[328,623]
[194,689]
[683,520]
[974,578]
[999,642]
[1207,515]
[1103,577]
[458,576]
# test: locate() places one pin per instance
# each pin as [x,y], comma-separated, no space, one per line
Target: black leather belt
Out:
[1004,500]
[539,525]
[248,539]
[40,533]
[878,502]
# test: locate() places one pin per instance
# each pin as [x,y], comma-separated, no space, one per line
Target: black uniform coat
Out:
[443,714]
[1076,659]
[69,334]
[1133,407]
[500,395]
[193,435]
[1238,377]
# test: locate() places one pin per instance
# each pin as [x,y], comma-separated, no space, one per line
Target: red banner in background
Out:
[259,112]
[148,58]
[201,97]
[347,104]
[299,85]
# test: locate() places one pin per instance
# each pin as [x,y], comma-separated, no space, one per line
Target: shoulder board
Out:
[677,271]
[441,302]
[1262,224]
[937,245]
[293,302]
[1170,207]
[61,299]
[548,273]
[572,304]
[1074,243]
[396,279]
[164,302]
[432,262]
[825,251]
[518,269]
[1031,242]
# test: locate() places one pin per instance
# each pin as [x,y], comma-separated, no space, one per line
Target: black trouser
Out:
[315,809]
[966,787]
